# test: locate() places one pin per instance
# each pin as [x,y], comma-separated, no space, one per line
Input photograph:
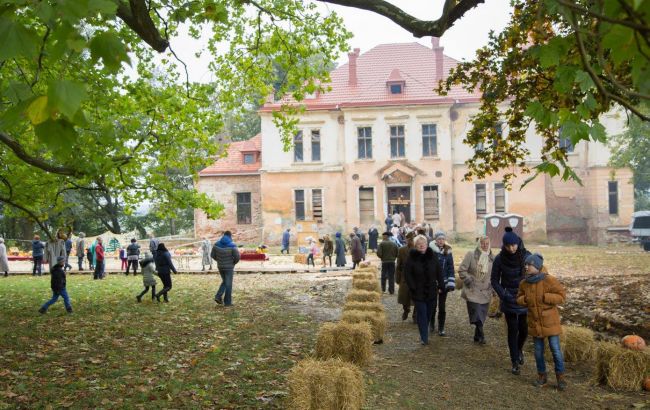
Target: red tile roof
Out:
[413,62]
[233,163]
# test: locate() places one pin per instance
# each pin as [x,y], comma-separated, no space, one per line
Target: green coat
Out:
[387,251]
[403,295]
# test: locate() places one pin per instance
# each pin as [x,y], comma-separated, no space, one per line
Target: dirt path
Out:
[453,372]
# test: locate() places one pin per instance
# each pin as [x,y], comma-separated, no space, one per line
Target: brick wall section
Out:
[224,189]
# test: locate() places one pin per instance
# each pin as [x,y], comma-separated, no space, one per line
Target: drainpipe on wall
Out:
[453,171]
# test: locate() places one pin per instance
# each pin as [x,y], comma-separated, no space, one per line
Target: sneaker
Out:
[405,315]
[515,369]
[42,311]
[69,310]
[442,333]
[218,300]
[521,359]
[138,298]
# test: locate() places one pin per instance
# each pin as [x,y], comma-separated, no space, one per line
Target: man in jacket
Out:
[226,254]
[286,238]
[387,252]
[81,250]
[68,250]
[57,283]
[132,256]
[38,250]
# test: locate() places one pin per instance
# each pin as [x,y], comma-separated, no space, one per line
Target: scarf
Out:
[535,278]
[483,265]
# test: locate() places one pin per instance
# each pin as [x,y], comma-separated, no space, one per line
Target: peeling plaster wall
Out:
[224,189]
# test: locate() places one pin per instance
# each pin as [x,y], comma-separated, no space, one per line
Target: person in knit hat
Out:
[508,271]
[541,293]
[446,260]
[148,266]
[58,285]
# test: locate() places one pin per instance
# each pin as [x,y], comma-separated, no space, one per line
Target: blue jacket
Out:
[446,261]
[38,248]
[68,246]
[286,237]
[507,272]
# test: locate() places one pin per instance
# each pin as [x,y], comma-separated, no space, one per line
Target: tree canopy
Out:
[92,99]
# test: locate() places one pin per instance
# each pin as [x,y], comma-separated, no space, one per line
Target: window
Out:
[498,127]
[297,147]
[315,145]
[317,205]
[249,158]
[429,143]
[499,198]
[366,206]
[396,88]
[244,208]
[565,143]
[300,204]
[481,199]
[431,202]
[612,189]
[364,142]
[396,141]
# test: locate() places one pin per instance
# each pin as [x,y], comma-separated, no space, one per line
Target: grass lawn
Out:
[115,353]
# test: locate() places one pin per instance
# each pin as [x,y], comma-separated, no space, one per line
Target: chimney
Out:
[438,57]
[352,68]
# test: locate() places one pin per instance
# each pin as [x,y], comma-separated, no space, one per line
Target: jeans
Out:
[388,274]
[442,311]
[310,257]
[80,260]
[99,270]
[55,296]
[517,333]
[226,286]
[38,265]
[423,309]
[554,345]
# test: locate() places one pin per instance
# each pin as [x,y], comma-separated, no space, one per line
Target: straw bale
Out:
[371,269]
[351,342]
[357,295]
[364,276]
[369,285]
[620,368]
[365,306]
[376,320]
[578,344]
[326,385]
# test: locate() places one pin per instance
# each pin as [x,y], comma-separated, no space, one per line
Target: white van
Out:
[640,228]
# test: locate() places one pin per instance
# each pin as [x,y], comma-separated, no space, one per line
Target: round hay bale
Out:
[364,276]
[328,385]
[369,285]
[376,320]
[365,306]
[357,295]
[620,368]
[351,342]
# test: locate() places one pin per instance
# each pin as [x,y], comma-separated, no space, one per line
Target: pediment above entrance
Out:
[399,172]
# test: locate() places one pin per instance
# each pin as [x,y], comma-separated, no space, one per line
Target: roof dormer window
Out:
[395,88]
[249,157]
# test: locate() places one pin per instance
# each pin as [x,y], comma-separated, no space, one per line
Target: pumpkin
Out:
[646,384]
[633,342]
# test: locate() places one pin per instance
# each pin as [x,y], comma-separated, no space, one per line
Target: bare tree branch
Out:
[452,10]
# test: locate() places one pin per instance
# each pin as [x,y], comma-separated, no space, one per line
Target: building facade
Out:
[382,140]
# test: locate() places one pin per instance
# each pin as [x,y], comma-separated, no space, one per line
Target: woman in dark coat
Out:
[373,235]
[425,282]
[164,267]
[403,296]
[356,250]
[340,250]
[508,269]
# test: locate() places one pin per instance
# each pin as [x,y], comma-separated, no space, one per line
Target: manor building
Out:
[383,140]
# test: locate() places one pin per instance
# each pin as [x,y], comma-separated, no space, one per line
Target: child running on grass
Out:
[57,284]
[541,293]
[148,270]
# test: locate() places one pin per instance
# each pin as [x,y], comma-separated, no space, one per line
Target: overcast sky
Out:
[370,29]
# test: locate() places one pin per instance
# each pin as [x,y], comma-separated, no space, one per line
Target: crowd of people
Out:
[413,256]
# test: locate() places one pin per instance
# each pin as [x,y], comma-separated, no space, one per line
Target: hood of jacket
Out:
[225,242]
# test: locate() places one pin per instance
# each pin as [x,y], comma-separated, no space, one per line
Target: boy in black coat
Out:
[58,287]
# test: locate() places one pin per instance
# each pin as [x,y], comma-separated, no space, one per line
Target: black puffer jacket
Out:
[423,274]
[507,272]
[164,264]
[57,280]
